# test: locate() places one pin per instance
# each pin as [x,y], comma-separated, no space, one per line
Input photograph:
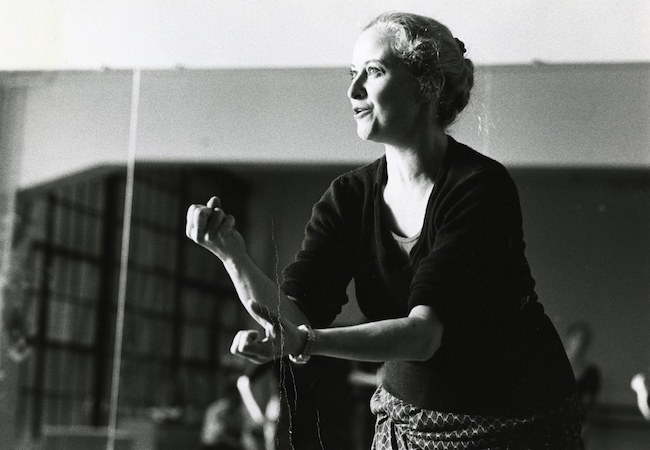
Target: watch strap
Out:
[305,355]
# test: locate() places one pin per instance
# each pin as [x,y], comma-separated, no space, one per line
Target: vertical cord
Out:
[485,122]
[282,388]
[124,260]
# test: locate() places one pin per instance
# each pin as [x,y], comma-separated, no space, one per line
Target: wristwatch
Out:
[304,356]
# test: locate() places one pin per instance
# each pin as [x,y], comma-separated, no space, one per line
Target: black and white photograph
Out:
[325,225]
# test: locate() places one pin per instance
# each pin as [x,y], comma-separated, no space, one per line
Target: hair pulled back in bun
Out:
[434,57]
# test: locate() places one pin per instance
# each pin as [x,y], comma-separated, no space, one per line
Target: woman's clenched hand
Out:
[209,226]
[281,337]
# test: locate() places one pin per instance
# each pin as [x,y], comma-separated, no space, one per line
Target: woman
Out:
[432,235]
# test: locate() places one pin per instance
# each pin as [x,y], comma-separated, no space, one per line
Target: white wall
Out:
[564,115]
[90,34]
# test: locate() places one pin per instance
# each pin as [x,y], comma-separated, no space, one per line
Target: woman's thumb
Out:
[214,202]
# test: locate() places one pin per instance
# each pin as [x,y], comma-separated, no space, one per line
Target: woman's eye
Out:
[373,70]
[353,73]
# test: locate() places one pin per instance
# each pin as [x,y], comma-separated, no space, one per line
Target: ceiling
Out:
[160,34]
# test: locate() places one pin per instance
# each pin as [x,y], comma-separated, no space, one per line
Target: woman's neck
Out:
[417,164]
[411,174]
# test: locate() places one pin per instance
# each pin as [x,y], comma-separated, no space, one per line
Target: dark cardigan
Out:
[500,353]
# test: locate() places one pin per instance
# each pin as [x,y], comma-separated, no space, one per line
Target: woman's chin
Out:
[364,133]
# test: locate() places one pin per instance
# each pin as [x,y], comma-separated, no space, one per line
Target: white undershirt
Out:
[406,244]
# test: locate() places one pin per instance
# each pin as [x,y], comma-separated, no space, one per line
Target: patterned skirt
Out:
[401,426]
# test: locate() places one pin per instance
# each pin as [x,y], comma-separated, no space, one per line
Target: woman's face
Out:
[384,95]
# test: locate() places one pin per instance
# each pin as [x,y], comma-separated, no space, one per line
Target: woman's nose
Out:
[356,90]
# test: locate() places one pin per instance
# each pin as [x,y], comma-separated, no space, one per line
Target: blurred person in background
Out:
[223,422]
[578,339]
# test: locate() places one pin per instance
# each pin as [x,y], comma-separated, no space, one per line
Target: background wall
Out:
[559,116]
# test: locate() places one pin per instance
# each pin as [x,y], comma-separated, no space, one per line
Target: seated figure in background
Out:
[260,395]
[222,422]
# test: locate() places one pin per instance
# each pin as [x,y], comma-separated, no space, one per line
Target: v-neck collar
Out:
[387,248]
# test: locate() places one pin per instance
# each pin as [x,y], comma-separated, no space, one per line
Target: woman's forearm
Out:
[412,338]
[252,284]
[210,227]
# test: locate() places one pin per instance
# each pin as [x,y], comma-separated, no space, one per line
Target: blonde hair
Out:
[434,57]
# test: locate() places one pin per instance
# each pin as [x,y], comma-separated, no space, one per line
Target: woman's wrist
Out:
[306,345]
[237,263]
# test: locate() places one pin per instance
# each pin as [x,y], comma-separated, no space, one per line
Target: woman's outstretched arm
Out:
[412,338]
[209,226]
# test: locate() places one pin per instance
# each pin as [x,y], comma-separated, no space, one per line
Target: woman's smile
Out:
[360,112]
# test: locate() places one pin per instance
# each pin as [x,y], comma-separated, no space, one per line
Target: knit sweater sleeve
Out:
[323,267]
[476,262]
